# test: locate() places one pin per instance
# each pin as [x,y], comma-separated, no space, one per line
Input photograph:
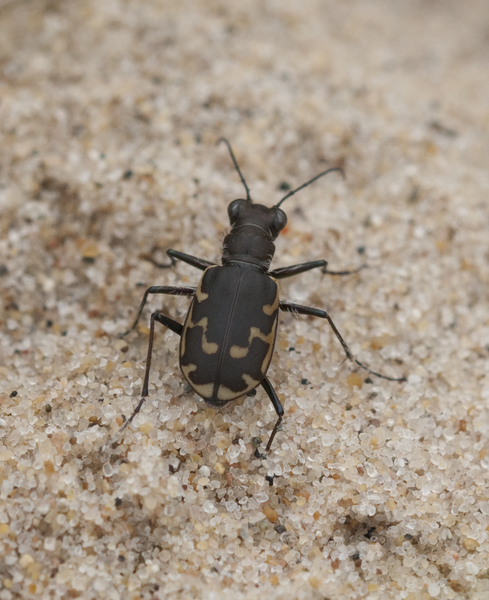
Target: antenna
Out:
[339,169]
[236,165]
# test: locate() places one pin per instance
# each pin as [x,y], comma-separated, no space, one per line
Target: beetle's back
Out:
[229,333]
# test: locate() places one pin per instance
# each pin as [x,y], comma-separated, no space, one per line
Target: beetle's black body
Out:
[229,333]
[222,355]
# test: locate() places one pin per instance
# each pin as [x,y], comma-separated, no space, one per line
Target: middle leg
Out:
[160,289]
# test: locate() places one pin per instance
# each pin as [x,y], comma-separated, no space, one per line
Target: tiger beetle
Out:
[228,336]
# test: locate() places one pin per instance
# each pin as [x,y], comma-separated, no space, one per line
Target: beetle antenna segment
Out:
[309,182]
[236,166]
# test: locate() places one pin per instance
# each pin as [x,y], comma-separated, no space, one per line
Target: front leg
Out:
[308,266]
[194,261]
[316,312]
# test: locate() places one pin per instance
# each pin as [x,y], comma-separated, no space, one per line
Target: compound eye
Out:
[235,208]
[279,220]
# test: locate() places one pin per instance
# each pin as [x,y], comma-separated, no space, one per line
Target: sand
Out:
[109,115]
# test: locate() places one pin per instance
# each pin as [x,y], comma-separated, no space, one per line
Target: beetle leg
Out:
[174,326]
[277,405]
[296,269]
[198,263]
[315,312]
[326,272]
[308,266]
[167,322]
[160,289]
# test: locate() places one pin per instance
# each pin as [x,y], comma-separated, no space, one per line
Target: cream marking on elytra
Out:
[207,347]
[199,294]
[238,351]
[187,369]
[250,382]
[205,389]
[242,351]
[225,393]
[269,309]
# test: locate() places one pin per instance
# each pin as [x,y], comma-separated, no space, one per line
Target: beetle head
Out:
[243,213]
